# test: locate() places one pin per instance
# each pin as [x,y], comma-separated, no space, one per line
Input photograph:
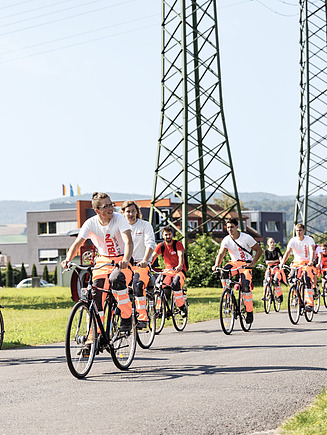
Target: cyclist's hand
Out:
[123,264]
[214,268]
[142,263]
[64,264]
[310,263]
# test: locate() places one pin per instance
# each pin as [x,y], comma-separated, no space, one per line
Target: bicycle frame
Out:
[296,305]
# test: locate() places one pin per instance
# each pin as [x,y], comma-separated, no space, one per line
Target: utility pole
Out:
[194,163]
[310,206]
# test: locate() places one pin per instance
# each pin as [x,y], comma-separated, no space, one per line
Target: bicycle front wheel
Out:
[267,298]
[277,302]
[245,326]
[316,301]
[160,308]
[179,318]
[227,312]
[145,336]
[324,293]
[123,344]
[293,305]
[81,338]
[2,329]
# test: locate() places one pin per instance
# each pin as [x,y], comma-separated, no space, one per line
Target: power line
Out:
[275,12]
[34,9]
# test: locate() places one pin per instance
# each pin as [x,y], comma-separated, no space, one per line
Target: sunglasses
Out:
[112,204]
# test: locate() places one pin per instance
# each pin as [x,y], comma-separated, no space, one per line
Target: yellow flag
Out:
[78,190]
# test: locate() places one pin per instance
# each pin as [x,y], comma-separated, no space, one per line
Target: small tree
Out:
[1,279]
[23,274]
[34,271]
[45,273]
[9,276]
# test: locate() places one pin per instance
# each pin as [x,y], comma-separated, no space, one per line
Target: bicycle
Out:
[324,288]
[164,309]
[231,307]
[83,341]
[269,293]
[295,302]
[2,327]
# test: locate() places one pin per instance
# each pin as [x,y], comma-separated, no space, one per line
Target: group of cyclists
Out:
[129,241]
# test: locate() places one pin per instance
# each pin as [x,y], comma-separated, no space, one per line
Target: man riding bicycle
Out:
[239,245]
[172,252]
[144,243]
[112,236]
[303,248]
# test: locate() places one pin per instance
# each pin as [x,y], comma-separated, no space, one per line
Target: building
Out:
[268,224]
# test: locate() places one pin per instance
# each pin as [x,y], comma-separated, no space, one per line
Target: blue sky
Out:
[80,94]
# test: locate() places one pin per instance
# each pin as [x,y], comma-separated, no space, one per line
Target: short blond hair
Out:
[97,198]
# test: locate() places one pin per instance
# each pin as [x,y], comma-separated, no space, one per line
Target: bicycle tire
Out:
[179,321]
[123,344]
[324,293]
[2,329]
[277,303]
[227,311]
[316,302]
[108,310]
[145,336]
[80,340]
[245,326]
[267,298]
[160,307]
[293,305]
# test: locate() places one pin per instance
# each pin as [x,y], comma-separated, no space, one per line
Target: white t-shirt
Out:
[143,237]
[300,248]
[107,239]
[245,240]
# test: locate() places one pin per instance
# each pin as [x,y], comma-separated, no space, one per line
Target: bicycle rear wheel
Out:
[160,307]
[179,321]
[293,305]
[245,326]
[267,298]
[80,341]
[277,302]
[2,329]
[123,344]
[227,311]
[145,336]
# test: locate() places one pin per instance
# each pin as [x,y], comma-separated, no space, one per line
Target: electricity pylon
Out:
[310,207]
[194,163]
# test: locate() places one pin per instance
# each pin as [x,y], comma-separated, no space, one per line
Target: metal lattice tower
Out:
[310,207]
[194,163]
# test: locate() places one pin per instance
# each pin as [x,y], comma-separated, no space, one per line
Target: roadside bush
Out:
[45,275]
[9,275]
[22,274]
[34,271]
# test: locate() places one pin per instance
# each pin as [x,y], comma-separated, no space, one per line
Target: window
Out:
[192,225]
[56,227]
[272,226]
[254,225]
[215,226]
[51,255]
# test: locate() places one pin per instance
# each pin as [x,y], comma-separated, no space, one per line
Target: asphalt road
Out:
[199,381]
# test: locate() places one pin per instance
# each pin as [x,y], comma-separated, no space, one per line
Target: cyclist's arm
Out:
[286,255]
[128,251]
[146,258]
[180,261]
[219,258]
[258,251]
[312,255]
[72,252]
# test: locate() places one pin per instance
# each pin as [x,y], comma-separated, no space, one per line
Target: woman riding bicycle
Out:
[272,257]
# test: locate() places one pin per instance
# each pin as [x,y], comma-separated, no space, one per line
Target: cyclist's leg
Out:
[246,276]
[308,273]
[177,287]
[119,280]
[140,281]
[277,283]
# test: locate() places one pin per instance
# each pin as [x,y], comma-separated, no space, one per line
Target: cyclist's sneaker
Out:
[280,298]
[142,324]
[262,298]
[315,293]
[308,308]
[100,343]
[249,317]
[126,324]
[85,351]
[183,310]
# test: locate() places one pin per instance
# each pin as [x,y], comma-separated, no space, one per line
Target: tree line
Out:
[11,276]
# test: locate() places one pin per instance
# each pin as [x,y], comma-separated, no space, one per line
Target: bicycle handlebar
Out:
[72,265]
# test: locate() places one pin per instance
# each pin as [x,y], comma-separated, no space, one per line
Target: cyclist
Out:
[172,252]
[323,263]
[144,243]
[112,236]
[303,248]
[272,257]
[239,245]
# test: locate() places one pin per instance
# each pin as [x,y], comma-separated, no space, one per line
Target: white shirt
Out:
[245,240]
[300,248]
[143,237]
[106,238]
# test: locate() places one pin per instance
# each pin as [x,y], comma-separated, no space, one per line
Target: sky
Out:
[80,95]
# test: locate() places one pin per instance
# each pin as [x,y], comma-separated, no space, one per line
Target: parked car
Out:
[28,283]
